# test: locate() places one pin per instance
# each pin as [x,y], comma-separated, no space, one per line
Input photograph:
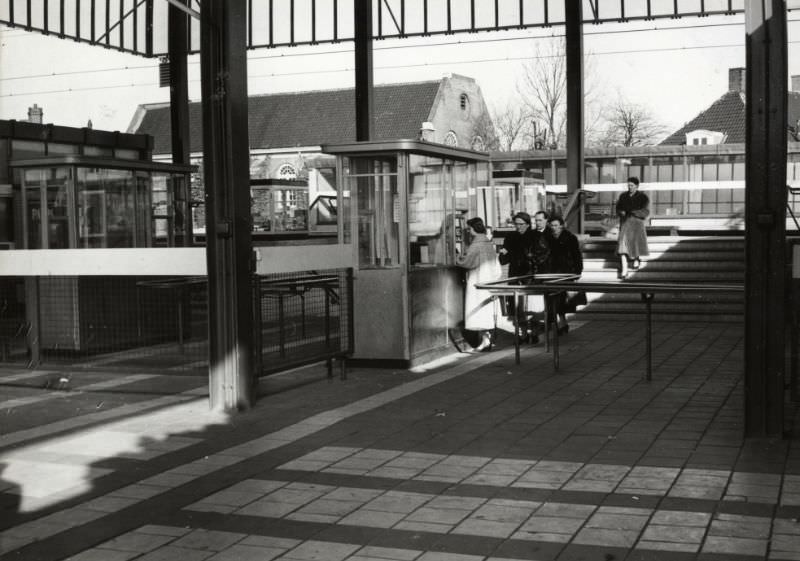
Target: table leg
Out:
[556,357]
[546,320]
[517,308]
[281,322]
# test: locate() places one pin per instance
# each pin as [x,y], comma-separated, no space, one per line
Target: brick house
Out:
[723,122]
[287,129]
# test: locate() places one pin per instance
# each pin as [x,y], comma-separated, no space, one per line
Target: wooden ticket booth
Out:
[407,202]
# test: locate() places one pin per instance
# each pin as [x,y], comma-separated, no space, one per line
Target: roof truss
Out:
[141,26]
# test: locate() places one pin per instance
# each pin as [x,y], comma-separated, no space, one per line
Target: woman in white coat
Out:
[482,266]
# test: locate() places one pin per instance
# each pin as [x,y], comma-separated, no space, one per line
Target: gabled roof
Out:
[305,118]
[727,115]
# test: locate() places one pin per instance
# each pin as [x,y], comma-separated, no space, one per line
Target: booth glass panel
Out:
[46,210]
[427,210]
[118,191]
[374,181]
[163,187]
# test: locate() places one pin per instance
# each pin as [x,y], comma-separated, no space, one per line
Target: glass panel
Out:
[725,172]
[117,224]
[50,220]
[24,149]
[162,208]
[738,171]
[34,179]
[261,209]
[592,173]
[505,204]
[57,210]
[378,210]
[678,171]
[54,149]
[427,208]
[561,173]
[709,172]
[608,171]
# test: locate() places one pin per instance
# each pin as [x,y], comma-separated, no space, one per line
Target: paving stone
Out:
[734,546]
[314,550]
[606,537]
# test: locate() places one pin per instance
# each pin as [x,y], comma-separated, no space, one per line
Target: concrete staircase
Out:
[695,260]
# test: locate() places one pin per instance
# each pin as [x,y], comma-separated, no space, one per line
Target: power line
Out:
[398,47]
[392,67]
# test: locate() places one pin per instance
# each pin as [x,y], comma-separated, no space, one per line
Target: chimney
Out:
[796,83]
[427,131]
[736,80]
[35,114]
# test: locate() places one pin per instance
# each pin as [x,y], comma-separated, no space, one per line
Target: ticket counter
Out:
[407,202]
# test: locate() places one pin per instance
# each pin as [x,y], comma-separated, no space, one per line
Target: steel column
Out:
[765,219]
[362,20]
[574,55]
[226,163]
[179,118]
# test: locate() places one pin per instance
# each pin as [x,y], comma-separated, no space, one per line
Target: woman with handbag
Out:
[633,208]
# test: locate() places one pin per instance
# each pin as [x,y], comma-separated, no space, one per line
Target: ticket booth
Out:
[407,203]
[82,202]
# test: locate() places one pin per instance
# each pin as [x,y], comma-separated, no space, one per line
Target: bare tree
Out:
[543,91]
[513,124]
[631,124]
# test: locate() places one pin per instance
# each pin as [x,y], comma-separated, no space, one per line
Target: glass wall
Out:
[90,207]
[373,183]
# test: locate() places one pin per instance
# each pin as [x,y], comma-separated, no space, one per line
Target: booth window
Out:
[374,182]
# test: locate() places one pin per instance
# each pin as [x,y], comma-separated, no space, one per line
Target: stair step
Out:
[597,264]
[657,317]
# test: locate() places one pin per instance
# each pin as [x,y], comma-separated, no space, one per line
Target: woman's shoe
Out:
[486,343]
[636,264]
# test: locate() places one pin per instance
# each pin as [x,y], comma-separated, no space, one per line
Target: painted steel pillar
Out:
[365,107]
[575,140]
[226,162]
[179,118]
[765,217]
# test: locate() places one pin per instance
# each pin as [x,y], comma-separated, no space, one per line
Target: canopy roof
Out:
[141,26]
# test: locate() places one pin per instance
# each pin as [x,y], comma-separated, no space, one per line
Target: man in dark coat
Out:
[565,257]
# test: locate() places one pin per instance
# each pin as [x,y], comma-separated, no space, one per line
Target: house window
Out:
[463,101]
[451,139]
[478,143]
[287,171]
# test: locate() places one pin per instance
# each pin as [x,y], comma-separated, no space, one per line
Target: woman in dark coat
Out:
[526,252]
[565,257]
[633,208]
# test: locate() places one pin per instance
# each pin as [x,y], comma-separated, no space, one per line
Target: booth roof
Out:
[312,118]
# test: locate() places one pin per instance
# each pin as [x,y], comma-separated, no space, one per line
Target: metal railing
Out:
[161,323]
[550,286]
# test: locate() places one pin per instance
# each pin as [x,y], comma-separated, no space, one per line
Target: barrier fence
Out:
[161,323]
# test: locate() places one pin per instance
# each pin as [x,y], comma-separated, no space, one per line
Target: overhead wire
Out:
[405,46]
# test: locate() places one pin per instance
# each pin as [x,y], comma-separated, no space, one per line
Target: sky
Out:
[675,68]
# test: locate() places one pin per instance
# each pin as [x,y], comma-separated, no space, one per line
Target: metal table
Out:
[551,285]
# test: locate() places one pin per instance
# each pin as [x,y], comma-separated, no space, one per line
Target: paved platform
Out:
[473,458]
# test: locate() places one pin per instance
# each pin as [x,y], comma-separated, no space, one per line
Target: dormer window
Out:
[451,139]
[701,136]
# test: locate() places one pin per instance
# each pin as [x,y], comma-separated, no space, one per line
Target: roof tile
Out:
[308,118]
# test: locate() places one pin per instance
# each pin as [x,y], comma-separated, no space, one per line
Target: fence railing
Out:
[148,322]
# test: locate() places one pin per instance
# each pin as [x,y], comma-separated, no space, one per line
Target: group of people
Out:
[539,246]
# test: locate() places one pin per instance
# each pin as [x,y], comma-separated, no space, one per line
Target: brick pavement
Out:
[472,459]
